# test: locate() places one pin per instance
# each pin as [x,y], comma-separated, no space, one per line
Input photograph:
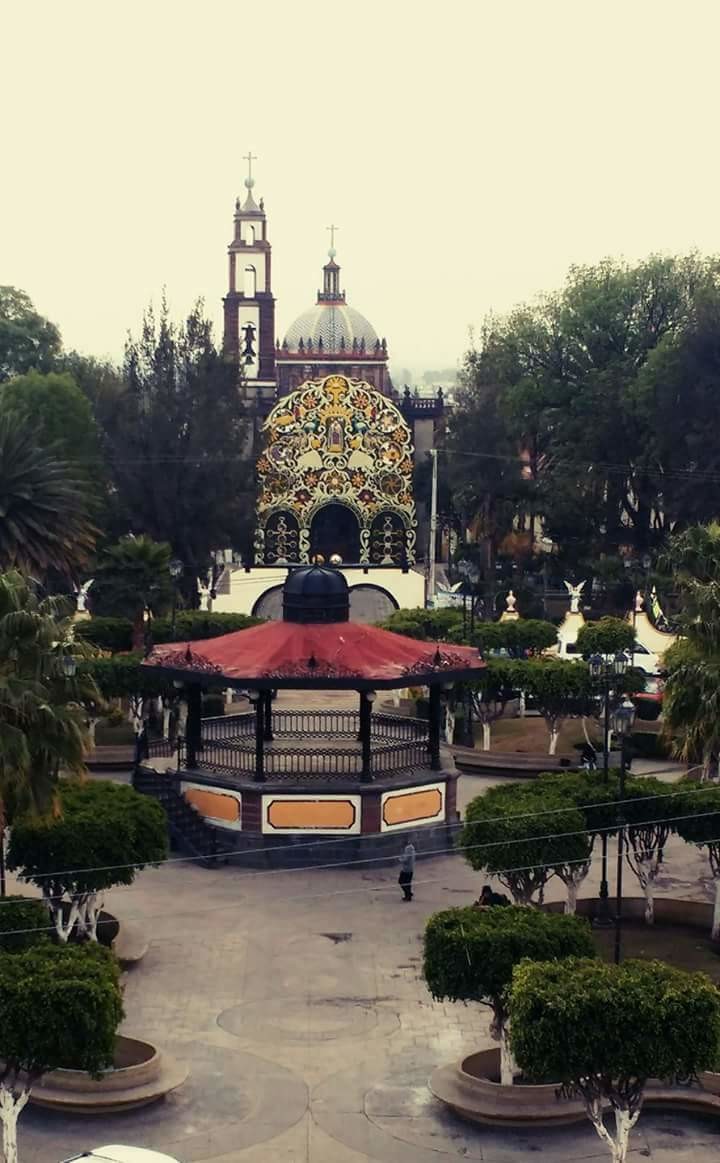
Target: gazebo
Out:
[274,774]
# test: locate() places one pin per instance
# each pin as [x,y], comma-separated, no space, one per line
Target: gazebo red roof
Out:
[347,655]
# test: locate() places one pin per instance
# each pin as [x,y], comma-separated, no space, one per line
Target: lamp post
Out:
[176,568]
[623,720]
[605,673]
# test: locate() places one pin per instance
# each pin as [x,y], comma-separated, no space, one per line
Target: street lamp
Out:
[176,567]
[606,672]
[69,665]
[623,720]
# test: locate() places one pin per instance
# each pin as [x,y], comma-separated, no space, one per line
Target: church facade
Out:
[335,443]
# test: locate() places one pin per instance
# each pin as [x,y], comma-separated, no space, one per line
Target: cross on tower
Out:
[332,230]
[250,158]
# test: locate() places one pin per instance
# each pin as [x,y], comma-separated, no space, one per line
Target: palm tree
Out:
[43,727]
[691,705]
[132,577]
[43,515]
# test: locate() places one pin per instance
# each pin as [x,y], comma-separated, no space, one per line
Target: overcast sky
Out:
[470,152]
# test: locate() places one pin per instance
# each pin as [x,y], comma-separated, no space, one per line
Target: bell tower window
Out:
[249,282]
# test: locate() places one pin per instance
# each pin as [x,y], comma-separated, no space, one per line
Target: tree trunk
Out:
[571,902]
[138,632]
[716,911]
[554,736]
[10,1109]
[63,928]
[486,736]
[647,887]
[508,1065]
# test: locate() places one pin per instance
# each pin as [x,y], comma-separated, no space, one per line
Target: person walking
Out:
[407,868]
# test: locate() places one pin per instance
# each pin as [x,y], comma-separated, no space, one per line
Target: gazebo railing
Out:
[297,764]
[302,724]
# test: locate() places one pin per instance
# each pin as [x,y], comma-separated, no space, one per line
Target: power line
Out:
[498,873]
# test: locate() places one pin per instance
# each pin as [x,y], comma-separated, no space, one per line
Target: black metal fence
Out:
[300,724]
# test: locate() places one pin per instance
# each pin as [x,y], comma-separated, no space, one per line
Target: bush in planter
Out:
[526,833]
[59,1007]
[213,704]
[24,922]
[603,1030]
[470,955]
[102,834]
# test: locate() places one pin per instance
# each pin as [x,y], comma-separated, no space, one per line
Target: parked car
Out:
[117,1153]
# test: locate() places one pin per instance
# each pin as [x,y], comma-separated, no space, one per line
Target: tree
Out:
[62,419]
[524,835]
[603,1030]
[699,823]
[470,954]
[58,1008]
[42,717]
[491,694]
[561,690]
[102,834]
[133,577]
[691,703]
[526,636]
[177,444]
[649,812]
[27,340]
[567,375]
[427,625]
[44,522]
[606,636]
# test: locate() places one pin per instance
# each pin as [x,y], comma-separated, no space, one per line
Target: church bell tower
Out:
[249,331]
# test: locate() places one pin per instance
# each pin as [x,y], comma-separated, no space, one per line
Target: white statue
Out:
[639,602]
[510,602]
[81,596]
[575,593]
[204,596]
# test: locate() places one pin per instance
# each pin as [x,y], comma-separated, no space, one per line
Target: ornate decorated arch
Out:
[336,441]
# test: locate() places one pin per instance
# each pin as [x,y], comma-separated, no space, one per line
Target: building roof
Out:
[336,324]
[346,655]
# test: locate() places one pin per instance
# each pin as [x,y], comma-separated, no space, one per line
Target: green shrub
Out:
[198,624]
[113,634]
[19,913]
[213,705]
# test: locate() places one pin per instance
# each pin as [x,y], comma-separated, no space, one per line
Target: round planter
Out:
[141,1074]
[471,1088]
[668,910]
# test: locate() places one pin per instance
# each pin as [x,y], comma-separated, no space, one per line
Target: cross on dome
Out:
[250,158]
[332,252]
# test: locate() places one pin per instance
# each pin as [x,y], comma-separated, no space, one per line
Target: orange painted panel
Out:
[297,813]
[413,805]
[214,804]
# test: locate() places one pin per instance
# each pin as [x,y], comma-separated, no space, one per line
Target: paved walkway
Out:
[298,1001]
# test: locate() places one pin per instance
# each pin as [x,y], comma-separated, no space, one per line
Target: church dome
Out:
[336,324]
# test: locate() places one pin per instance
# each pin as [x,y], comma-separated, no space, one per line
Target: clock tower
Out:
[249,306]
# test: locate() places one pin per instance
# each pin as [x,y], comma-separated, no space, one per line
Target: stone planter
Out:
[141,1074]
[668,911]
[471,1088]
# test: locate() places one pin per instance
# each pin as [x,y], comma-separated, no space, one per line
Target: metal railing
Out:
[295,764]
[301,724]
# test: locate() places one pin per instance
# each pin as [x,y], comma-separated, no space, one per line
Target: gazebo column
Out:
[267,729]
[367,698]
[434,727]
[257,698]
[193,728]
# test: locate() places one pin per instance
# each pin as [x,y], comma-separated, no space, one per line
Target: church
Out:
[335,443]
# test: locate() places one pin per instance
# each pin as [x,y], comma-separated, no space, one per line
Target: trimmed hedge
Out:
[198,624]
[113,634]
[23,913]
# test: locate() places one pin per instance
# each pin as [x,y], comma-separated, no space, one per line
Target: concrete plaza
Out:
[297,999]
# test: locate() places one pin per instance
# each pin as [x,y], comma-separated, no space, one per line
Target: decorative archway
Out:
[340,442]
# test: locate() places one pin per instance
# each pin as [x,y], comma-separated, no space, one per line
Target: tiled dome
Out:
[336,324]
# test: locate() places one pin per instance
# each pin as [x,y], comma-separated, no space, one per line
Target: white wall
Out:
[408,589]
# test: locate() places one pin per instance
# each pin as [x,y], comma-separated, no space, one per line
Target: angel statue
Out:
[81,596]
[575,593]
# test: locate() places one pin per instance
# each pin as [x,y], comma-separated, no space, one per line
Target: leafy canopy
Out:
[619,1024]
[27,340]
[59,1007]
[101,836]
[470,953]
